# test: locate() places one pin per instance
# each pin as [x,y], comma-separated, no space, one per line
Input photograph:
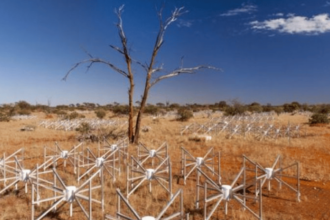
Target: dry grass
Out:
[311,150]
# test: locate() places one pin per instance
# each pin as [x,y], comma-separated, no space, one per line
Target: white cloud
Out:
[183,23]
[279,14]
[244,9]
[327,4]
[296,24]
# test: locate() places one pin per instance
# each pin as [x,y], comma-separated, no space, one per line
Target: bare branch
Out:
[89,66]
[179,71]
[117,49]
[90,55]
[164,25]
[91,62]
[144,66]
[122,36]
[158,69]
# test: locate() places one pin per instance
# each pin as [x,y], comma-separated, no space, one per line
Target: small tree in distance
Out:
[100,113]
[184,114]
[149,68]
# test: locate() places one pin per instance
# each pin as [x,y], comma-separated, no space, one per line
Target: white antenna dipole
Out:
[189,163]
[214,192]
[59,154]
[109,162]
[144,153]
[67,194]
[275,172]
[137,174]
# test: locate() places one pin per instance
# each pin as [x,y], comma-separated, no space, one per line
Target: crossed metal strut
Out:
[20,174]
[144,153]
[124,214]
[215,193]
[189,163]
[137,175]
[275,172]
[59,154]
[109,161]
[63,194]
[9,168]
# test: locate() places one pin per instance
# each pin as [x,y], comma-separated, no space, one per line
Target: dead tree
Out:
[149,68]
[124,51]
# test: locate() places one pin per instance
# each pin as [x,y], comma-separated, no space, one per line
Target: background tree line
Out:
[233,107]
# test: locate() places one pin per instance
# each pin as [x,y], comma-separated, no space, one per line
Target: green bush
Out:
[84,128]
[100,113]
[61,113]
[319,118]
[184,114]
[23,105]
[255,107]
[24,112]
[236,108]
[4,117]
[120,109]
[73,115]
[151,109]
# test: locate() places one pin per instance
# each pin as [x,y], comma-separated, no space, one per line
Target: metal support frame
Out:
[109,161]
[137,174]
[121,145]
[234,130]
[190,128]
[9,168]
[20,174]
[58,154]
[144,153]
[189,163]
[275,172]
[125,214]
[214,192]
[63,194]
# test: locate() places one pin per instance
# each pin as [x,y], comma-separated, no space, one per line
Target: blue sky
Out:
[273,51]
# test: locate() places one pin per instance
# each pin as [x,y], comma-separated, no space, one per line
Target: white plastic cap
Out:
[226,191]
[150,173]
[152,153]
[69,193]
[269,173]
[199,160]
[148,218]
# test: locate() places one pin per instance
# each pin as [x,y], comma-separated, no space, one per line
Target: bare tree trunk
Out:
[131,109]
[139,116]
[145,94]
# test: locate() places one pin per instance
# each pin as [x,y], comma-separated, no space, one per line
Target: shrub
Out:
[24,112]
[319,118]
[61,113]
[184,114]
[120,109]
[255,107]
[235,110]
[323,109]
[4,117]
[23,105]
[278,109]
[73,115]
[84,128]
[100,113]
[151,109]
